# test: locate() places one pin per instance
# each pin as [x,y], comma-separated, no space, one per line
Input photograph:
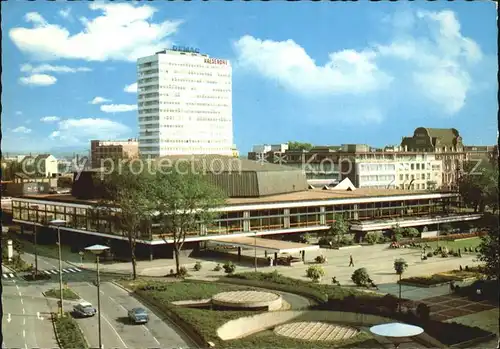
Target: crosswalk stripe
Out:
[5,276]
[46,272]
[66,270]
[77,269]
[53,272]
[11,275]
[72,270]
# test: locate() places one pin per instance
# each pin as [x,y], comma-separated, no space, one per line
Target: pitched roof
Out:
[445,135]
[42,156]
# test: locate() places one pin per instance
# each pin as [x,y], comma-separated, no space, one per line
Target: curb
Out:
[53,318]
[176,322]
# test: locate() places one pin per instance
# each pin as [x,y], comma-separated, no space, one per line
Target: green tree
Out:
[411,232]
[339,228]
[478,185]
[299,146]
[185,202]
[489,253]
[126,188]
[400,267]
[397,232]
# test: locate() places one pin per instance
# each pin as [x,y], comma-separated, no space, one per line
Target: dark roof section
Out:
[221,163]
[42,156]
[446,136]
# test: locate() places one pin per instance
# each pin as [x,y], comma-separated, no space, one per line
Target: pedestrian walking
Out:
[351,261]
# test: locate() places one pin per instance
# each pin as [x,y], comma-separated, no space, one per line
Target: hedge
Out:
[68,333]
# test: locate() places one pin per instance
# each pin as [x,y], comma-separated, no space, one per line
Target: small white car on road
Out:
[84,309]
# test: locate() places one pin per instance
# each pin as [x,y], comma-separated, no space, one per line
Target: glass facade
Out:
[82,218]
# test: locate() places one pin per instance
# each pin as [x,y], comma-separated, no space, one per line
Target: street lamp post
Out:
[255,251]
[97,250]
[35,207]
[58,223]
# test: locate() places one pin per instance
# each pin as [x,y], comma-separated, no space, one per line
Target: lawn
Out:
[67,294]
[205,322]
[455,245]
[69,334]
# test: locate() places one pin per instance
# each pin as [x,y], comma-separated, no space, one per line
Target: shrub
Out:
[373,237]
[444,254]
[346,241]
[305,238]
[315,273]
[218,267]
[182,271]
[430,254]
[229,267]
[360,277]
[320,259]
[69,333]
[324,241]
[423,312]
[396,237]
[411,232]
[197,266]
[172,272]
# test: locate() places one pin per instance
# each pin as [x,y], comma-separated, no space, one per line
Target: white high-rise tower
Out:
[185,104]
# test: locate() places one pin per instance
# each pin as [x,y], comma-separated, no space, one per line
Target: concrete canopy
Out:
[276,246]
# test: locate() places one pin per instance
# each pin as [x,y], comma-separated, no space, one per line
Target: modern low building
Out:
[102,150]
[264,201]
[43,165]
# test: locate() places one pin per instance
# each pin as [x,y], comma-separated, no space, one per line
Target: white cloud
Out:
[132,88]
[99,100]
[66,13]
[38,80]
[19,112]
[427,57]
[122,32]
[81,131]
[118,108]
[21,129]
[50,119]
[347,71]
[28,68]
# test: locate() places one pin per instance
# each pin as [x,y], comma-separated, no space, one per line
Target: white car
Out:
[84,309]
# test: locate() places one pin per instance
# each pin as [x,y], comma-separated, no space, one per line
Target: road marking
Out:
[46,272]
[25,346]
[116,332]
[77,269]
[24,311]
[17,287]
[118,303]
[38,316]
[72,270]
[66,270]
[9,319]
[11,275]
[53,272]
[24,321]
[5,276]
[24,333]
[147,329]
[21,299]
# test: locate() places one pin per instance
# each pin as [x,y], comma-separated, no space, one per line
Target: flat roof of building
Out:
[309,195]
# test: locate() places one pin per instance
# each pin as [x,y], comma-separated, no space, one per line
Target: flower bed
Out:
[452,237]
[67,294]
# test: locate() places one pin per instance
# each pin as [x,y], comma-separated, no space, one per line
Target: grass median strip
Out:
[67,294]
[69,334]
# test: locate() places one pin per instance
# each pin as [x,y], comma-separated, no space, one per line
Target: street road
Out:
[116,329]
[26,321]
[117,332]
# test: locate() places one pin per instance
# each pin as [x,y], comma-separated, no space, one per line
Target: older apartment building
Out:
[101,150]
[430,159]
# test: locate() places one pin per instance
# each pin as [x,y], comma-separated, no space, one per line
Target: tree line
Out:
[178,202]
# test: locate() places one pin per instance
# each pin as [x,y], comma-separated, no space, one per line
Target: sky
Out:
[326,73]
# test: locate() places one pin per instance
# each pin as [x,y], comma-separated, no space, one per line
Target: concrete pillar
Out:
[275,258]
[402,210]
[239,253]
[322,215]
[356,212]
[246,221]
[286,219]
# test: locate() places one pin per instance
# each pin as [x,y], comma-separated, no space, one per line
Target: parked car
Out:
[138,315]
[84,309]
